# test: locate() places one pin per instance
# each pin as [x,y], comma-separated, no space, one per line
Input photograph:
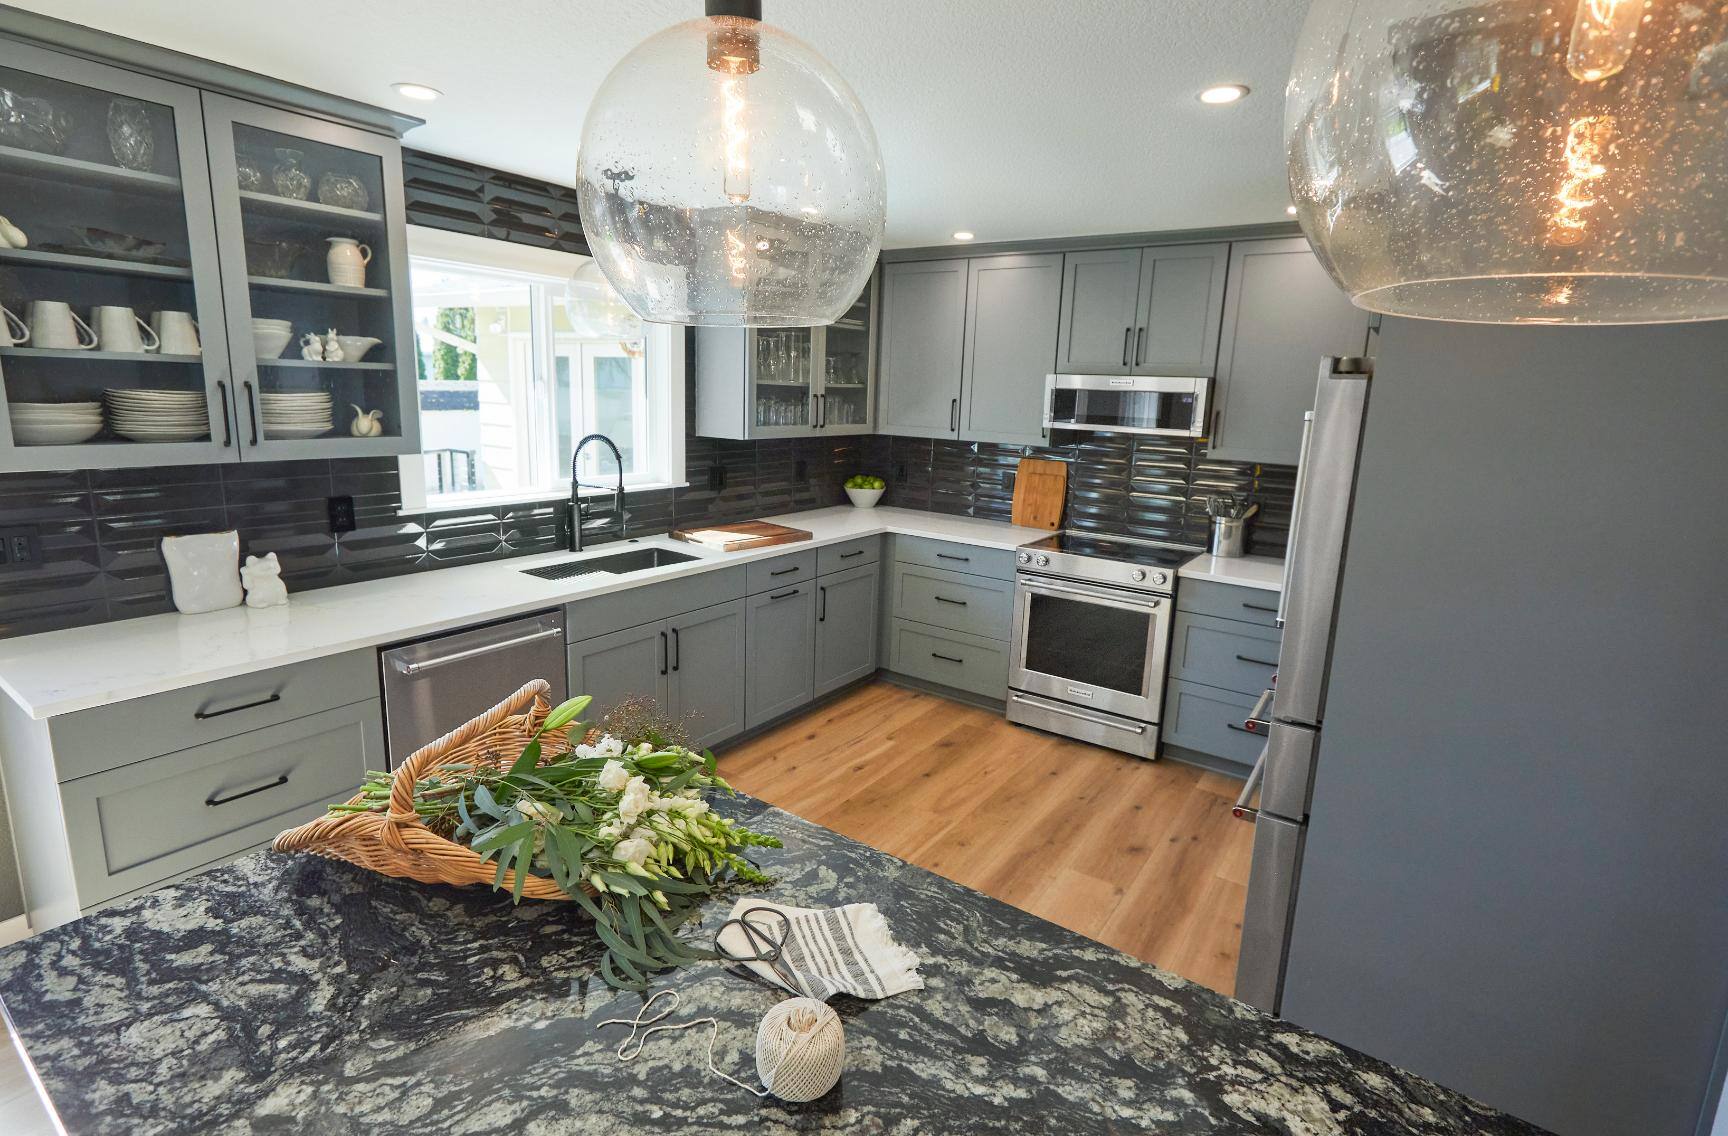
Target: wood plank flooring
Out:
[1144,856]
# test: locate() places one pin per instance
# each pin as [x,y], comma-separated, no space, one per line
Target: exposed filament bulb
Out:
[1586,147]
[1602,36]
[735,139]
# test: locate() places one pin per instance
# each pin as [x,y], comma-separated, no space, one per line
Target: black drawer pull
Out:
[784,571]
[946,600]
[850,555]
[276,784]
[946,658]
[1256,662]
[822,616]
[1242,729]
[947,556]
[1261,607]
[783,595]
[201,715]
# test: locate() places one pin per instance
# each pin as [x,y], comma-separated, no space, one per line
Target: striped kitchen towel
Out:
[827,951]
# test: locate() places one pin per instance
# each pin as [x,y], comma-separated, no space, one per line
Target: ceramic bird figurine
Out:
[332,347]
[312,347]
[262,576]
[367,423]
[12,236]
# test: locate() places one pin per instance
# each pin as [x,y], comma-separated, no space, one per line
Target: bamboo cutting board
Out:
[1040,490]
[740,535]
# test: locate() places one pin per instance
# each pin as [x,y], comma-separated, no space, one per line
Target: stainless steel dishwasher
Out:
[434,685]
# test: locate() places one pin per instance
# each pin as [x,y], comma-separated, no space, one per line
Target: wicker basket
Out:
[397,842]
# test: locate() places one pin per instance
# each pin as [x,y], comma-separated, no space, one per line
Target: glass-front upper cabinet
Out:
[788,382]
[112,345]
[309,218]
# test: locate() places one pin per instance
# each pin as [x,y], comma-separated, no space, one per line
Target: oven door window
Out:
[1088,643]
[1130,410]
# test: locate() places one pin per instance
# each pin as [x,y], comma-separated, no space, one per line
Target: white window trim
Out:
[666,344]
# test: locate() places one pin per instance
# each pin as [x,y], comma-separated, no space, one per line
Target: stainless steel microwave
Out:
[1128,404]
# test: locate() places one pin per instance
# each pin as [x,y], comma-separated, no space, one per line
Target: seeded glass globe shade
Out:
[1523,161]
[595,309]
[729,177]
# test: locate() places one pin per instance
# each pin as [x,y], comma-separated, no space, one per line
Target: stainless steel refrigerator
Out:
[1490,846]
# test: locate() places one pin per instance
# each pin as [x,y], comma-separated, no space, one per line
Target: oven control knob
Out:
[1160,578]
[1024,558]
[1042,561]
[1137,575]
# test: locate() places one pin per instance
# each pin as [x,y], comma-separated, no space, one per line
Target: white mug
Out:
[347,261]
[56,327]
[177,332]
[117,329]
[14,332]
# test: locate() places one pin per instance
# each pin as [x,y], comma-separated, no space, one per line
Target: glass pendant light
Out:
[595,309]
[729,177]
[1516,161]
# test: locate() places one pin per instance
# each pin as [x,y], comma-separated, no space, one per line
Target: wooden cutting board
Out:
[740,535]
[1040,490]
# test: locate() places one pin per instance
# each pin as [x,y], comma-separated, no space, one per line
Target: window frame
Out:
[665,346]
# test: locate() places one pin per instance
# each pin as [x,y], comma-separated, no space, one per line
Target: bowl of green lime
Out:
[865,490]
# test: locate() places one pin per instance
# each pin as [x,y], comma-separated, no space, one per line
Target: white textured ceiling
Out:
[1011,118]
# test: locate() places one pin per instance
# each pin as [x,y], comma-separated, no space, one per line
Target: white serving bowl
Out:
[269,343]
[354,347]
[54,434]
[865,498]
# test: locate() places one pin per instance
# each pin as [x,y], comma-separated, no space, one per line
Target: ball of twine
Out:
[800,1047]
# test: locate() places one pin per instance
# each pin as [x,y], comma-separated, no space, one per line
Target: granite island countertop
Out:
[288,994]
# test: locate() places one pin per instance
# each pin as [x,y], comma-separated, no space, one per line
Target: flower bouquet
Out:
[616,823]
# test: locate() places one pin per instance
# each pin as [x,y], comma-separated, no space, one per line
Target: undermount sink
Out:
[618,563]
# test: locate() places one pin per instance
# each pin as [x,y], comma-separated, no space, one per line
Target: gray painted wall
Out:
[1514,877]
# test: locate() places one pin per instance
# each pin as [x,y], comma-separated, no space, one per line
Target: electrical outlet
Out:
[716,477]
[900,472]
[341,515]
[20,549]
[800,470]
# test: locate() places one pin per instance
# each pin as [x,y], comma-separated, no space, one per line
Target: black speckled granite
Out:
[294,995]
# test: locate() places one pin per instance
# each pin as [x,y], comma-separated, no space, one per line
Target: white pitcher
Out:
[347,261]
[56,327]
[14,332]
[178,332]
[118,329]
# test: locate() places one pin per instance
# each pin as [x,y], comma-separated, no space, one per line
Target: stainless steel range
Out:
[1092,621]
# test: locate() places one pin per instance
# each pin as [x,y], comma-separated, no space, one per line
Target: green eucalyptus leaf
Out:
[501,834]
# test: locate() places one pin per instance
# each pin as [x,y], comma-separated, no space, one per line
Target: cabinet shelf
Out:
[282,284]
[94,263]
[850,325]
[312,211]
[323,365]
[108,356]
[77,171]
[782,386]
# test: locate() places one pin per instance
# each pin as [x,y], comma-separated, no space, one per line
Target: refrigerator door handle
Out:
[1241,809]
[1257,720]
[1295,513]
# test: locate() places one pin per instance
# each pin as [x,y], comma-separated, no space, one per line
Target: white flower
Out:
[613,776]
[611,831]
[632,851]
[692,808]
[536,811]
[609,746]
[645,834]
[634,800]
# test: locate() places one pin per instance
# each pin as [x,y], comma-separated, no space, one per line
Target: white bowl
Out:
[54,434]
[260,321]
[354,347]
[269,343]
[865,498]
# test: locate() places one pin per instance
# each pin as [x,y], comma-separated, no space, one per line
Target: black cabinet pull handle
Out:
[822,594]
[946,658]
[946,600]
[276,784]
[946,556]
[1260,607]
[783,595]
[201,715]
[1252,659]
[252,404]
[784,571]
[677,650]
[1241,729]
[1140,347]
[227,422]
[954,414]
[1127,344]
[665,659]
[850,555]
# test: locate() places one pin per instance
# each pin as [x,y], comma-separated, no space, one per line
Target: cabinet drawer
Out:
[105,737]
[1228,601]
[1224,653]
[1210,720]
[994,562]
[645,603]
[954,601]
[952,658]
[139,824]
[777,573]
[848,554]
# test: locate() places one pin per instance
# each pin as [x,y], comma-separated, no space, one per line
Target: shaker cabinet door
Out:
[846,634]
[632,663]
[923,340]
[707,672]
[1181,305]
[1099,290]
[780,639]
[1012,307]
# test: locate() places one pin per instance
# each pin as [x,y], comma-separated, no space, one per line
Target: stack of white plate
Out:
[158,415]
[295,414]
[55,423]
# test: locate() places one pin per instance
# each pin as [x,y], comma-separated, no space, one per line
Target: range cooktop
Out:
[1106,559]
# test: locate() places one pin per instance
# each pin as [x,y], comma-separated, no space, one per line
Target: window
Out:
[521,353]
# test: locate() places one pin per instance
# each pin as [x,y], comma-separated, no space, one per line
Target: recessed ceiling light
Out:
[964,235]
[1290,209]
[1227,93]
[417,91]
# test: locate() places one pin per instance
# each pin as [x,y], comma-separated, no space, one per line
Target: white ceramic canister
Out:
[347,261]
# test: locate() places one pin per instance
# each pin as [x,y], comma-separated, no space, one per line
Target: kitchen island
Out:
[289,994]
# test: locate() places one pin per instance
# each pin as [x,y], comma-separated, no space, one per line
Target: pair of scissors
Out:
[767,943]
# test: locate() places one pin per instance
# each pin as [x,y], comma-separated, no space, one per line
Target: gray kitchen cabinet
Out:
[1181,306]
[705,680]
[1100,290]
[780,637]
[1282,313]
[1223,654]
[923,345]
[1012,304]
[846,603]
[632,663]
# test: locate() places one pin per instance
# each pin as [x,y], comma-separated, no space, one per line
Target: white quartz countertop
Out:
[1244,571]
[59,672]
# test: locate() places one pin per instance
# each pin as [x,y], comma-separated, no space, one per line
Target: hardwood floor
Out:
[1144,856]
